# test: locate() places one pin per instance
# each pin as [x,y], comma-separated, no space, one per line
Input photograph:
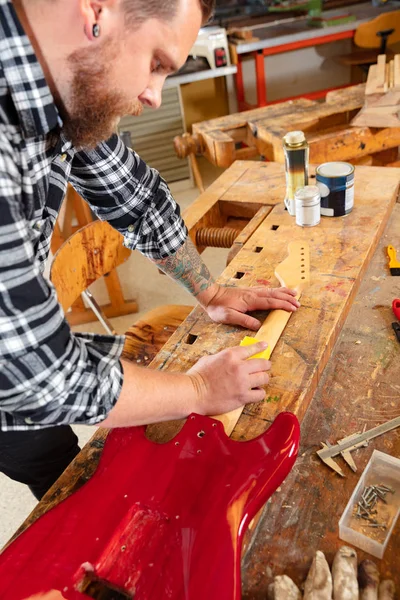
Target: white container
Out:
[382,469]
[308,206]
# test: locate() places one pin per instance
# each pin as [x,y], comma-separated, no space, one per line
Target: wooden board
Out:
[326,125]
[382,96]
[340,251]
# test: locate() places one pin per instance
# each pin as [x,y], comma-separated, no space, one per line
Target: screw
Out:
[369,494]
[363,495]
[387,488]
[382,497]
[365,511]
[376,525]
[375,500]
[363,504]
[365,516]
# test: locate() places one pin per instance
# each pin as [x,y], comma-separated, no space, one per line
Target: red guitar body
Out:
[156,521]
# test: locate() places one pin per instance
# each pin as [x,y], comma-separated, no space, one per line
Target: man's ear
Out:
[94,14]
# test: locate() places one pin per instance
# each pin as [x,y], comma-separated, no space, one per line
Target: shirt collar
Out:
[30,93]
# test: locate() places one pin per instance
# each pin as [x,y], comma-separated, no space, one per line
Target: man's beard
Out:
[94,108]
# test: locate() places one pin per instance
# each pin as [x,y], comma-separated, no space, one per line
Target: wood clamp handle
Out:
[216,237]
[187,144]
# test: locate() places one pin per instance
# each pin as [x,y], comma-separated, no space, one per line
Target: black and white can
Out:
[336,185]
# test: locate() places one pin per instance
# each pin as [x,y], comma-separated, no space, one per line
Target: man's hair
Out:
[138,11]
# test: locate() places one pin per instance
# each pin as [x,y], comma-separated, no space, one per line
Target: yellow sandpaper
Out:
[249,341]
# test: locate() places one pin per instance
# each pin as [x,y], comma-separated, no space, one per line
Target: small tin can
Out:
[296,152]
[336,185]
[308,206]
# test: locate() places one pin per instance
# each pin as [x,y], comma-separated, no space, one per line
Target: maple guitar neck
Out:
[293,272]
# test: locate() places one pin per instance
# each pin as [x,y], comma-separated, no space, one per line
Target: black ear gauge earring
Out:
[96,30]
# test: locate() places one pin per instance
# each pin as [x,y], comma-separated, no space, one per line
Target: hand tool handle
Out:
[396,307]
[392,256]
[396,329]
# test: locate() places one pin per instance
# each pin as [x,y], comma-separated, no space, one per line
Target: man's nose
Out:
[151,96]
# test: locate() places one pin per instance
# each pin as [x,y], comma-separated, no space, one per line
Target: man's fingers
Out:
[248,351]
[275,303]
[255,365]
[246,321]
[266,291]
[288,297]
[283,293]
[256,395]
[259,380]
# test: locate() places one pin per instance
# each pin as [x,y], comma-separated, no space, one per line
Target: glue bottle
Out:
[296,153]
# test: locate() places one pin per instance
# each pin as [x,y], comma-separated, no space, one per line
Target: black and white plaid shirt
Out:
[48,375]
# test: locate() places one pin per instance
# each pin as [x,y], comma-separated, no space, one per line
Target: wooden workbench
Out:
[326,125]
[359,386]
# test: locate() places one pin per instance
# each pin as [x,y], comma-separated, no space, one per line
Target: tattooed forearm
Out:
[187,267]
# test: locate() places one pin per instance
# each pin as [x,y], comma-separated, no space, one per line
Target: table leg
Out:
[260,79]
[239,83]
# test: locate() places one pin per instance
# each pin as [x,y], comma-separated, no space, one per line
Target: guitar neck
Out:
[294,273]
[270,331]
[273,326]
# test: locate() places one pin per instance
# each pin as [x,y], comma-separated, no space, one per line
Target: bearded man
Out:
[69,70]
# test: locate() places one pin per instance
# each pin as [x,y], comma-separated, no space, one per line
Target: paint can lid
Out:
[294,137]
[335,169]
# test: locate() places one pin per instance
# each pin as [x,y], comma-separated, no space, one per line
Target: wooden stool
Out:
[76,206]
[91,253]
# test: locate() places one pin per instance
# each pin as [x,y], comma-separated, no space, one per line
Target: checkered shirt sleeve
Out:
[47,375]
[131,196]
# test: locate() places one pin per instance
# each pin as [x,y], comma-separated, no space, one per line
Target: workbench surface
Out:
[360,385]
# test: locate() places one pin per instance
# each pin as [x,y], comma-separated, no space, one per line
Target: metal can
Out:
[296,153]
[308,206]
[336,185]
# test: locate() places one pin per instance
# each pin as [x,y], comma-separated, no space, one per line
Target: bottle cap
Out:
[294,137]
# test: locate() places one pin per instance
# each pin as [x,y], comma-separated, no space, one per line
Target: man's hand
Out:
[227,380]
[215,384]
[223,305]
[229,305]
